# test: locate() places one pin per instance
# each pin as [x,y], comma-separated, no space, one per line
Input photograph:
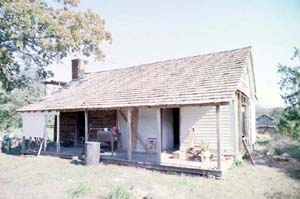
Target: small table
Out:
[108,136]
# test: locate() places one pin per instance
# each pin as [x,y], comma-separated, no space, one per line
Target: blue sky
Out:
[146,31]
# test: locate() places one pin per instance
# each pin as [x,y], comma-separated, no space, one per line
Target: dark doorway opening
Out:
[176,126]
[80,127]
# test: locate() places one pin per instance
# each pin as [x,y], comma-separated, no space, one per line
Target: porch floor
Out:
[144,160]
[168,160]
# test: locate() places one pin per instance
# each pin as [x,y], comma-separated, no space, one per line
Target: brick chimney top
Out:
[78,68]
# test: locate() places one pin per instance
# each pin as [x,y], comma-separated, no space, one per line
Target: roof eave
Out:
[72,109]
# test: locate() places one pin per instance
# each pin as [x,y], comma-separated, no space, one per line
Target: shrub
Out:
[78,191]
[290,147]
[119,192]
[239,163]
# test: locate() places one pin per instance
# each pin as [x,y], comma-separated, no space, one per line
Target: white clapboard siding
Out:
[252,121]
[33,124]
[203,120]
[244,83]
[123,129]
[147,127]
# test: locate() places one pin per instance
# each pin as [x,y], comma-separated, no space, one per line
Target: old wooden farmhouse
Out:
[183,115]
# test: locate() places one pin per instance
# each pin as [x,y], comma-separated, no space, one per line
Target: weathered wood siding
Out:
[247,86]
[203,120]
[96,120]
[102,119]
[252,121]
[68,125]
[244,83]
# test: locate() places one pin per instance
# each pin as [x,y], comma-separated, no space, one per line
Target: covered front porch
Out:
[126,144]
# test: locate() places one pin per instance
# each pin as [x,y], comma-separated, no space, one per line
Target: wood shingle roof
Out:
[209,78]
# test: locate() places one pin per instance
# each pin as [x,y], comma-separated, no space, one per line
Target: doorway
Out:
[176,126]
[170,129]
[80,127]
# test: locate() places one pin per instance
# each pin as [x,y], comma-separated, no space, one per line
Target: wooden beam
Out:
[134,124]
[23,146]
[45,133]
[76,109]
[40,148]
[122,115]
[58,132]
[76,132]
[218,137]
[234,128]
[129,140]
[247,150]
[240,133]
[139,137]
[158,141]
[86,128]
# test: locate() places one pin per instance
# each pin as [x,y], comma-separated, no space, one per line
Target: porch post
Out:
[234,128]
[129,140]
[23,147]
[45,133]
[218,136]
[58,132]
[86,129]
[158,142]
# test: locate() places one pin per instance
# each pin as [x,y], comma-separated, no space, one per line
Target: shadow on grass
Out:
[77,162]
[294,173]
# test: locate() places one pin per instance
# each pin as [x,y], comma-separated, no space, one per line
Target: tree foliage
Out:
[289,121]
[9,119]
[34,34]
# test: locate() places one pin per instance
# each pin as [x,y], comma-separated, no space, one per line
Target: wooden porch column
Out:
[158,142]
[129,140]
[86,129]
[218,137]
[45,133]
[23,147]
[234,128]
[58,132]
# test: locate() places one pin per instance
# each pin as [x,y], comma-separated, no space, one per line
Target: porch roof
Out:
[202,79]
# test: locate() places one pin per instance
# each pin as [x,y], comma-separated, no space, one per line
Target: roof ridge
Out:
[266,116]
[167,60]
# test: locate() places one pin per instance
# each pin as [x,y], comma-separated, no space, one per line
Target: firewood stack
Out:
[198,152]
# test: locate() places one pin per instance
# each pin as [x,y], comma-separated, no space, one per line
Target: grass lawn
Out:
[50,177]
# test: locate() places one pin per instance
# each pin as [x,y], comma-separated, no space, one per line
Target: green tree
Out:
[289,121]
[9,119]
[34,34]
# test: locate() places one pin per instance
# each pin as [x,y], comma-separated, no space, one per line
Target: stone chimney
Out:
[78,68]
